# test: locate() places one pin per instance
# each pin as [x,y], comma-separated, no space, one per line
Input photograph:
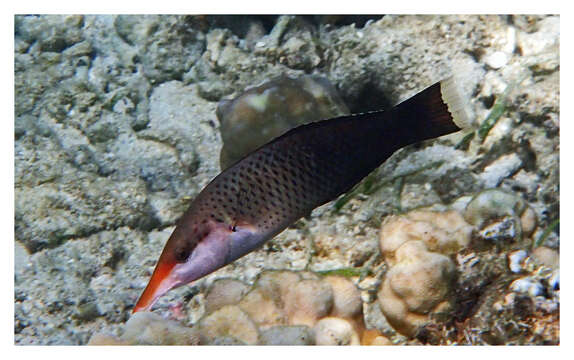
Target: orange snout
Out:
[159,284]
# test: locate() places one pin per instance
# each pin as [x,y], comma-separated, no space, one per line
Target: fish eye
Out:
[181,254]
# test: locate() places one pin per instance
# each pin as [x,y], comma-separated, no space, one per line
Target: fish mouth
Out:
[162,280]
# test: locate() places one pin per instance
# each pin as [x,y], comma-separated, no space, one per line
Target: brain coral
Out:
[421,277]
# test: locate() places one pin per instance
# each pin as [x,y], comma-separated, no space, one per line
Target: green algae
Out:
[345,272]
[546,233]
[499,108]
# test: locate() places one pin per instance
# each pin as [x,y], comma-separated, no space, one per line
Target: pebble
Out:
[287,335]
[527,286]
[555,280]
[500,169]
[546,305]
[547,256]
[335,331]
[497,60]
[515,260]
[21,257]
[511,40]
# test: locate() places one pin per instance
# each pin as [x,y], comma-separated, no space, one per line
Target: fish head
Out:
[191,254]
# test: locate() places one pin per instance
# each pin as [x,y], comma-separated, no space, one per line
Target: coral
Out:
[275,284]
[373,337]
[262,309]
[270,109]
[224,292]
[149,328]
[420,282]
[228,322]
[145,328]
[485,300]
[308,301]
[335,331]
[418,285]
[346,297]
[283,307]
[423,283]
[105,339]
[521,311]
[286,307]
[443,232]
[287,335]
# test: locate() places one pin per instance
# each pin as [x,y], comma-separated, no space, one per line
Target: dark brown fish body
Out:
[269,189]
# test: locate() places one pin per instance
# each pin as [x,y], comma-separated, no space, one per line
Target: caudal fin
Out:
[456,103]
[438,110]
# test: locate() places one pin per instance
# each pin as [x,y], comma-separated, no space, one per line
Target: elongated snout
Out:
[209,255]
[162,280]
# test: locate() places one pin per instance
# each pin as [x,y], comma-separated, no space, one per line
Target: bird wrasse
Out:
[260,195]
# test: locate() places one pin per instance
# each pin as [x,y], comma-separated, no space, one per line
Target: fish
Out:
[260,195]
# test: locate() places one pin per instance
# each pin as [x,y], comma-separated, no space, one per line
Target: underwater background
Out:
[121,120]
